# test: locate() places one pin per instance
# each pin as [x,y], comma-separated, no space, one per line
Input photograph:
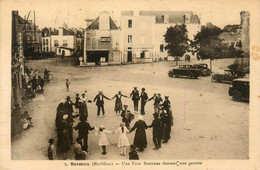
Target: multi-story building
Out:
[17,70]
[102,38]
[46,43]
[64,43]
[143,33]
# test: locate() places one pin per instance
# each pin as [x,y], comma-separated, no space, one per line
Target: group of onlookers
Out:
[32,82]
[163,120]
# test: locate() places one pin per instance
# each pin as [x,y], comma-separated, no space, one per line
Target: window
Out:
[129,38]
[161,48]
[47,49]
[46,41]
[43,49]
[59,50]
[43,41]
[143,54]
[56,43]
[129,23]
[64,43]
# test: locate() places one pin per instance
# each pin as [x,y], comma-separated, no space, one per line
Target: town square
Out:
[129,85]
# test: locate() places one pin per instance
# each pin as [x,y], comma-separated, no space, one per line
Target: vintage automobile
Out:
[240,89]
[227,77]
[204,70]
[184,70]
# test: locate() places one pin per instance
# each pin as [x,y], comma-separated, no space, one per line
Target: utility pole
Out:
[85,41]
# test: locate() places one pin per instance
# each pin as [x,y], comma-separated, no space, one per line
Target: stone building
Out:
[142,33]
[102,38]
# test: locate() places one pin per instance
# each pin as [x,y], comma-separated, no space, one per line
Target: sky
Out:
[55,13]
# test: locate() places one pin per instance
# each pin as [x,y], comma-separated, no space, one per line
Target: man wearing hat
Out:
[157,100]
[166,104]
[144,98]
[157,129]
[135,97]
[100,103]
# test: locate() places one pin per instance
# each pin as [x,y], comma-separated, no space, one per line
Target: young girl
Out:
[67,84]
[51,150]
[123,141]
[103,138]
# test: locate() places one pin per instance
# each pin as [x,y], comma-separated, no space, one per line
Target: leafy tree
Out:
[177,40]
[207,43]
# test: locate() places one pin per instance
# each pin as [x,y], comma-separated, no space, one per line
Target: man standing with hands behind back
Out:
[135,97]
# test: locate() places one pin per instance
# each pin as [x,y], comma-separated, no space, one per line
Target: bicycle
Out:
[51,78]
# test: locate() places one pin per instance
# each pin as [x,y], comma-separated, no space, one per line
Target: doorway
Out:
[129,54]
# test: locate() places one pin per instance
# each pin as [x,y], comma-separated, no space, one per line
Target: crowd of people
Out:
[68,110]
[33,82]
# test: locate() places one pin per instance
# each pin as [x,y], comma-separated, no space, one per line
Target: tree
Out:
[207,43]
[231,28]
[177,40]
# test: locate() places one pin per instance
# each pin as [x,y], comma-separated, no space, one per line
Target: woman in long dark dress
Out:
[118,103]
[65,143]
[140,140]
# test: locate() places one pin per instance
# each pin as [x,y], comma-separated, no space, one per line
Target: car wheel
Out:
[190,74]
[236,96]
[170,74]
[214,79]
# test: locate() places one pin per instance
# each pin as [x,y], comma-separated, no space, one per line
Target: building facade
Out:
[46,44]
[143,33]
[17,71]
[102,38]
[64,43]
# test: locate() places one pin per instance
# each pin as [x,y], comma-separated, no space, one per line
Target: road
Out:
[207,123]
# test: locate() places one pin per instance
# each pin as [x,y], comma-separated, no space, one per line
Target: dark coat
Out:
[41,82]
[83,127]
[133,155]
[166,105]
[144,96]
[140,135]
[135,95]
[59,115]
[157,127]
[100,100]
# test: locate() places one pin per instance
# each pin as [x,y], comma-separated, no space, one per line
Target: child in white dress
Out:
[123,141]
[103,138]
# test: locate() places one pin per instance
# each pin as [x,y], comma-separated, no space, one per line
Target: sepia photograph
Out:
[128,83]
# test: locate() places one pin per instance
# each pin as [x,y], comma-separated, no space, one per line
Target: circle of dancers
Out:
[161,124]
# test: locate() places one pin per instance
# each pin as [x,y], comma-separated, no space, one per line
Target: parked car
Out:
[240,89]
[227,77]
[184,70]
[203,69]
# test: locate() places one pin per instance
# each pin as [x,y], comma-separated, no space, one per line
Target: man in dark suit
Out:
[157,129]
[144,98]
[83,127]
[135,97]
[69,110]
[100,103]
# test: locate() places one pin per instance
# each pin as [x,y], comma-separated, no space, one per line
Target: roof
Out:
[242,79]
[95,24]
[174,16]
[66,31]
